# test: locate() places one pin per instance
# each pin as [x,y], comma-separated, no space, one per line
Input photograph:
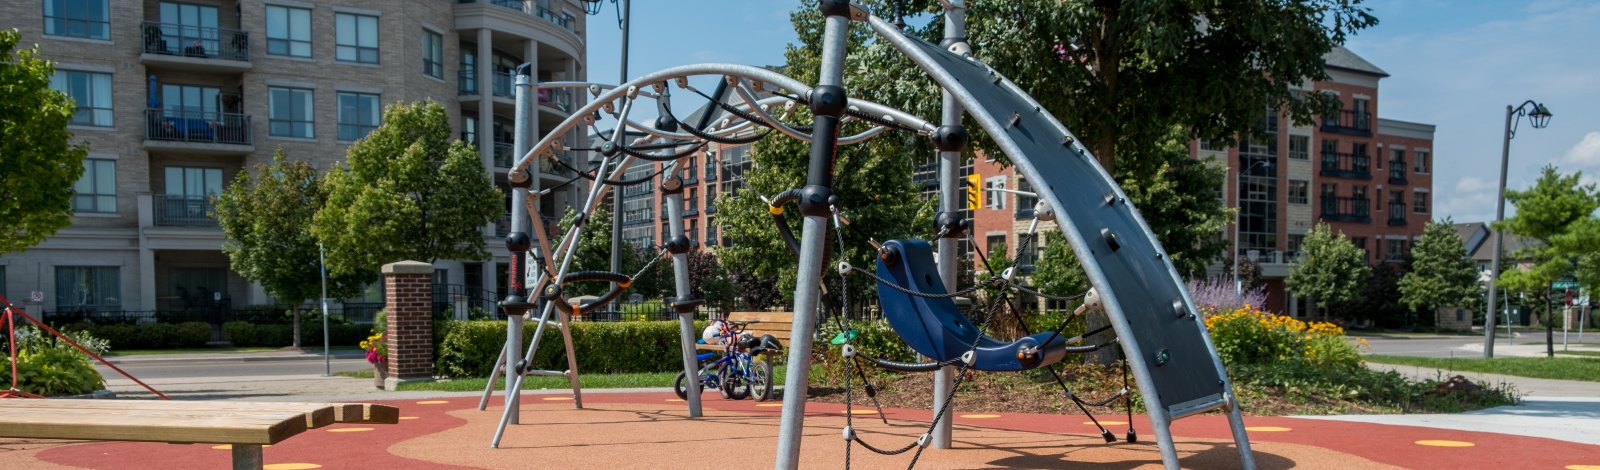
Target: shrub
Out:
[190,335]
[469,349]
[49,366]
[1248,336]
[240,333]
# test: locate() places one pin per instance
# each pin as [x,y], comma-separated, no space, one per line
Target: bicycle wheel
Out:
[735,385]
[678,386]
[761,379]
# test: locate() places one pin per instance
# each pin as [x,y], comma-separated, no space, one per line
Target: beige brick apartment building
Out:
[176,98]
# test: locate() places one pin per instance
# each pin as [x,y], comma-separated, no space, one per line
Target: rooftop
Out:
[1343,58]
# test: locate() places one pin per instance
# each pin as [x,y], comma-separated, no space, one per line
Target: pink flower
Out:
[372,356]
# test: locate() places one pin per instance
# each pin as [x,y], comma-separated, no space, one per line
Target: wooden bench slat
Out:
[764,317]
[150,426]
[317,415]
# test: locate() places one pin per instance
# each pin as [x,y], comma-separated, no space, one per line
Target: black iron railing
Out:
[1346,165]
[208,127]
[1397,214]
[1348,121]
[195,41]
[1346,209]
[1397,173]
[176,210]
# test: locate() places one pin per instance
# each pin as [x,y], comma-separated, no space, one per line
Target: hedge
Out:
[470,348]
[148,335]
[249,334]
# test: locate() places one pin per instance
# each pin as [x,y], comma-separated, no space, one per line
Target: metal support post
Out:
[247,457]
[678,245]
[828,103]
[1499,214]
[951,200]
[616,198]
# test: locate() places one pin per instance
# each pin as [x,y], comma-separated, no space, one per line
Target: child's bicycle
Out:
[735,374]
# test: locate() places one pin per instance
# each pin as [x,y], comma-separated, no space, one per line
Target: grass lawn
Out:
[657,379]
[146,352]
[1560,368]
[1579,353]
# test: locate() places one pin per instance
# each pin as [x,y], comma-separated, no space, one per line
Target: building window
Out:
[1299,192]
[1395,249]
[1208,146]
[996,199]
[1292,248]
[357,38]
[290,112]
[1025,202]
[91,93]
[1421,204]
[1421,156]
[78,18]
[97,189]
[469,130]
[1361,242]
[432,54]
[358,115]
[288,31]
[87,288]
[1299,147]
[1397,163]
[996,246]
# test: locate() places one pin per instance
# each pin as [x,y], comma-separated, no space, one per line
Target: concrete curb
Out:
[236,357]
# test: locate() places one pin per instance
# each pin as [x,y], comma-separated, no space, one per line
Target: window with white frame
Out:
[90,92]
[290,112]
[1420,202]
[1299,192]
[358,115]
[995,199]
[432,54]
[97,189]
[1208,146]
[288,31]
[1422,160]
[356,37]
[78,18]
[1300,147]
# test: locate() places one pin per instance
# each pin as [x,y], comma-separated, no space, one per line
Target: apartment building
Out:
[1367,177]
[175,99]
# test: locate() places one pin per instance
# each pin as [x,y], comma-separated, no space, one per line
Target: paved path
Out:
[1569,419]
[1524,385]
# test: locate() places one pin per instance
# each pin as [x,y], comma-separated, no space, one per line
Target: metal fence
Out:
[207,127]
[195,41]
[176,210]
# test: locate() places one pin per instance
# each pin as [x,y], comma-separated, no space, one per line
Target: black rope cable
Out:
[839,317]
[719,139]
[757,120]
[635,181]
[649,264]
[662,158]
[975,287]
[581,173]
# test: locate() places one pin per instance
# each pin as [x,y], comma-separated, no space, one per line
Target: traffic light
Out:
[974,191]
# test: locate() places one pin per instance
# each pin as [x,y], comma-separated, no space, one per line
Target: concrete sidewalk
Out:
[1569,419]
[239,356]
[1524,385]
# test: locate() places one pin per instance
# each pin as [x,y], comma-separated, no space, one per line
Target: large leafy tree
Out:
[267,221]
[1557,213]
[1333,272]
[410,193]
[1441,273]
[41,163]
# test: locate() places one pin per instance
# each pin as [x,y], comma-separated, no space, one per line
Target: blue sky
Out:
[1453,64]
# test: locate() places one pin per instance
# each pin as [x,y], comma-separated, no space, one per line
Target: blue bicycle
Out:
[736,374]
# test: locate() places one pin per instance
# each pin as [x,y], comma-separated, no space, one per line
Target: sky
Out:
[1453,64]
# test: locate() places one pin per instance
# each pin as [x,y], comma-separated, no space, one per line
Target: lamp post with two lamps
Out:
[1538,117]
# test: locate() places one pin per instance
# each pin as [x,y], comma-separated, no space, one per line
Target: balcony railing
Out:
[711,172]
[208,127]
[636,216]
[505,156]
[176,210]
[502,85]
[1346,165]
[558,19]
[1348,121]
[1346,209]
[558,98]
[195,41]
[1397,173]
[1397,214]
[466,81]
[691,206]
[711,236]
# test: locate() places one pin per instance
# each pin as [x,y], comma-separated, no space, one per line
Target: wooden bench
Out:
[777,324]
[246,426]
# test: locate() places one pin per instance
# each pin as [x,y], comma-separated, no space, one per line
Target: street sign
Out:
[1564,285]
[36,296]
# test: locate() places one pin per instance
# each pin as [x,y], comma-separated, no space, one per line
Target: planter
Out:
[380,371]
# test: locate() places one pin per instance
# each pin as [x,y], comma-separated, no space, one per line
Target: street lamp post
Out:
[624,20]
[1538,117]
[1238,200]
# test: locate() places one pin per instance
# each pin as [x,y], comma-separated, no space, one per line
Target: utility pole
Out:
[616,196]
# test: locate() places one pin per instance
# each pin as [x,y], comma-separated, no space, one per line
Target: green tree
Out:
[1441,273]
[1333,272]
[594,254]
[267,223]
[1557,214]
[1176,195]
[1057,271]
[410,193]
[41,163]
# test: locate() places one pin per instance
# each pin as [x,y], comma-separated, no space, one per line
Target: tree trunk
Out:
[296,310]
[1096,319]
[1549,329]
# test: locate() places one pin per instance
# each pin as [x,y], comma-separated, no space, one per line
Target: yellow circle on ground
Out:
[290,466]
[1438,443]
[558,398]
[674,399]
[1268,429]
[432,402]
[409,417]
[230,446]
[1583,467]
[349,430]
[980,416]
[1106,423]
[861,412]
[768,404]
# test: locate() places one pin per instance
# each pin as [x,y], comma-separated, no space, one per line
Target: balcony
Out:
[711,236]
[1397,214]
[1346,209]
[203,132]
[502,85]
[193,48]
[1348,121]
[557,98]
[711,172]
[564,21]
[1346,165]
[466,81]
[502,227]
[505,156]
[1397,173]
[691,206]
[173,210]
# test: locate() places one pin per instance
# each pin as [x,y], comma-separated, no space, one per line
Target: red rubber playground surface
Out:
[650,430]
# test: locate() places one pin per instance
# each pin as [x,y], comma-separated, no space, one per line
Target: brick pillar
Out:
[409,288]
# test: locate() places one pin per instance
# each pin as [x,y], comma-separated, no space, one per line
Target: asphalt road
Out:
[1429,347]
[207,367]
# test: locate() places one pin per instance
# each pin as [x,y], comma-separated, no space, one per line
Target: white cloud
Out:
[1473,184]
[1587,152]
